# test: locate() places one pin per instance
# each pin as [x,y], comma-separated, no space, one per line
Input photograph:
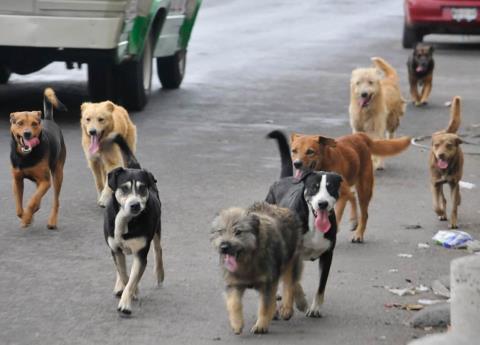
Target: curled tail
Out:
[284,148]
[388,147]
[455,115]
[384,66]
[128,156]
[51,101]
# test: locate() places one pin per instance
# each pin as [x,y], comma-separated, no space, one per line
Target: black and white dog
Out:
[312,196]
[132,221]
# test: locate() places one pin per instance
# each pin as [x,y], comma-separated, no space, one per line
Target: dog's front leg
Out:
[414,91]
[439,202]
[324,264]
[427,88]
[96,168]
[266,307]
[455,197]
[122,276]
[138,267]
[18,192]
[34,203]
[233,298]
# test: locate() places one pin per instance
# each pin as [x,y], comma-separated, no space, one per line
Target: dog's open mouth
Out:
[230,262]
[442,164]
[94,143]
[364,101]
[419,69]
[322,223]
[26,145]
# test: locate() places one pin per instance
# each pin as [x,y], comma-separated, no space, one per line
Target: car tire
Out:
[4,75]
[171,69]
[410,36]
[101,81]
[136,79]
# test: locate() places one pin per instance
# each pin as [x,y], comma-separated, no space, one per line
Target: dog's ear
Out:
[327,141]
[293,136]
[253,223]
[112,177]
[110,106]
[84,106]
[38,115]
[152,181]
[13,118]
[458,141]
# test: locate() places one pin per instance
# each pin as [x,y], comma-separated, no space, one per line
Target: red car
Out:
[423,17]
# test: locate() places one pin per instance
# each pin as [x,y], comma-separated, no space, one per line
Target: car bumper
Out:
[60,32]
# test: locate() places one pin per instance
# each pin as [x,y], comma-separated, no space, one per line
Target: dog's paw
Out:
[237,329]
[314,313]
[357,239]
[259,329]
[124,308]
[286,313]
[417,103]
[26,220]
[52,226]
[442,218]
[453,226]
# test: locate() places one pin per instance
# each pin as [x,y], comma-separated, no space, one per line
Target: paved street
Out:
[253,66]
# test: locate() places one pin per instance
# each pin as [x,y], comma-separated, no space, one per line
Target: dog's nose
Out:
[93,131]
[135,207]
[225,247]
[27,135]
[364,94]
[322,205]
[441,156]
[297,164]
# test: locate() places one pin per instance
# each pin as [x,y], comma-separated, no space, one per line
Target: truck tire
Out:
[136,79]
[4,74]
[411,36]
[101,81]
[171,69]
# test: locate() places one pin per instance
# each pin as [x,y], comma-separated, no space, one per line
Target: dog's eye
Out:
[357,83]
[294,151]
[124,189]
[142,189]
[87,119]
[310,152]
[101,119]
[449,146]
[370,82]
[19,123]
[34,124]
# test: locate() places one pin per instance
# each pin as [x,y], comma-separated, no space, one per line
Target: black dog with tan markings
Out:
[258,246]
[420,73]
[132,222]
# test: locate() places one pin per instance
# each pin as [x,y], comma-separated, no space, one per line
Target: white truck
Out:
[118,39]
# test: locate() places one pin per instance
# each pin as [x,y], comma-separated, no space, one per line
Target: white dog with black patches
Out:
[132,222]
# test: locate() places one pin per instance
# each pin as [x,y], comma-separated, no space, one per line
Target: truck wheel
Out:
[410,36]
[101,82]
[136,79]
[171,69]
[4,74]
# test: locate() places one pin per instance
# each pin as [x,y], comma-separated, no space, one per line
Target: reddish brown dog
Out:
[37,154]
[349,156]
[446,165]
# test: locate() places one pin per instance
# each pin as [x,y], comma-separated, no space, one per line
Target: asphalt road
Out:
[253,66]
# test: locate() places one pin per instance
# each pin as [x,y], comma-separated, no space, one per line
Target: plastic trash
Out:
[452,238]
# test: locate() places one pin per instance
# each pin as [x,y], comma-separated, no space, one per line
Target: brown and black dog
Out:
[37,154]
[420,73]
[446,165]
[349,156]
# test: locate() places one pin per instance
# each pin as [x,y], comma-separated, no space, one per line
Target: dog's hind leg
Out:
[18,192]
[266,308]
[324,264]
[122,276]
[364,191]
[345,195]
[138,267]
[233,297]
[57,178]
[455,197]
[157,247]
[289,279]
[353,211]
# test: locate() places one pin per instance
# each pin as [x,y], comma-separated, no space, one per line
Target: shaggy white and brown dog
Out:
[376,103]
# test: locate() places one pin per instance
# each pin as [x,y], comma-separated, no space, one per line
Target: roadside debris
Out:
[408,291]
[393,270]
[404,255]
[413,227]
[440,289]
[423,245]
[426,301]
[466,185]
[452,238]
[437,315]
[406,306]
[447,103]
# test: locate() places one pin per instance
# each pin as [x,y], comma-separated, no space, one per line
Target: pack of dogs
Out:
[262,246]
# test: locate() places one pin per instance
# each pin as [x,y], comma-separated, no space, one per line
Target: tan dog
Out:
[376,103]
[446,165]
[349,156]
[97,122]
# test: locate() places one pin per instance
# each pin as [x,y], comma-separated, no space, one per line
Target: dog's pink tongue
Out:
[363,102]
[94,145]
[230,263]
[442,164]
[298,174]
[32,142]
[322,223]
[419,69]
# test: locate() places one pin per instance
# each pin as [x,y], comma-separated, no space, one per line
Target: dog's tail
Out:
[51,101]
[128,156]
[385,67]
[455,115]
[284,148]
[388,147]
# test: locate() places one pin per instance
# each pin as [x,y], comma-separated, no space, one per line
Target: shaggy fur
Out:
[446,165]
[258,246]
[376,104]
[97,122]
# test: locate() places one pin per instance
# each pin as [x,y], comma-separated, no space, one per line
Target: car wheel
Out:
[171,69]
[4,75]
[410,36]
[101,82]
[136,79]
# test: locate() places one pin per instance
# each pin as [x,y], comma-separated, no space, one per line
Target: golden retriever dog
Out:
[376,103]
[446,165]
[97,122]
